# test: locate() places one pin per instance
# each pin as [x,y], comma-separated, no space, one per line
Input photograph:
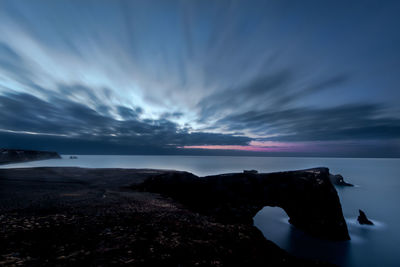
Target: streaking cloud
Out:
[201,75]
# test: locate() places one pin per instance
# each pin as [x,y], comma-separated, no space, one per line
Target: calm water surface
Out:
[377,193]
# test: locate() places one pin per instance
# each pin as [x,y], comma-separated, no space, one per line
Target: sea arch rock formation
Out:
[307,196]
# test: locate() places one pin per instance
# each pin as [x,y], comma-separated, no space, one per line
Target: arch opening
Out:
[273,222]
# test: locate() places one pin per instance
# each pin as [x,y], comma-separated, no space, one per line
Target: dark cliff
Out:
[17,155]
[307,196]
[89,217]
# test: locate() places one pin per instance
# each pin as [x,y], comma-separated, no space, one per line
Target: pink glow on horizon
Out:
[255,146]
[272,146]
[233,147]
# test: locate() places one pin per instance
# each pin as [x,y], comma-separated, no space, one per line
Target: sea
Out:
[376,192]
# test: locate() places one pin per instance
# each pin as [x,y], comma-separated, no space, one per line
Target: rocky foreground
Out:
[141,217]
[18,155]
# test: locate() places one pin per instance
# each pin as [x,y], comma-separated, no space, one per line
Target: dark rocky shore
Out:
[18,155]
[141,217]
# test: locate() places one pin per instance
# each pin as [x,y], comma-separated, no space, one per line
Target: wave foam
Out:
[352,222]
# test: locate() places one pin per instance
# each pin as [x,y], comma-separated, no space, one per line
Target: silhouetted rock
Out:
[64,216]
[307,196]
[362,218]
[17,155]
[338,180]
[250,171]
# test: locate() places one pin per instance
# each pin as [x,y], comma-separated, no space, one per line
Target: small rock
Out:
[362,218]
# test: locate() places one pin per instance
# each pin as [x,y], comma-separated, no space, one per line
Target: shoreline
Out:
[11,156]
[120,225]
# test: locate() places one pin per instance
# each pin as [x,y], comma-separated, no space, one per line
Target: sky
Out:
[291,78]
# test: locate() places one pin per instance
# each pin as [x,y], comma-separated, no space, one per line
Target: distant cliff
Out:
[17,155]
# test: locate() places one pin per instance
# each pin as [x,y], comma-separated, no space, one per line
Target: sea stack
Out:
[362,218]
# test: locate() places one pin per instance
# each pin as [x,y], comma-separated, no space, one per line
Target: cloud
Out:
[63,118]
[12,65]
[346,122]
[243,97]
[265,95]
[218,73]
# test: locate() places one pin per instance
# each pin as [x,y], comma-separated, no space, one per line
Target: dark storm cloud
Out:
[8,55]
[13,64]
[129,113]
[240,97]
[347,122]
[169,115]
[65,119]
[275,91]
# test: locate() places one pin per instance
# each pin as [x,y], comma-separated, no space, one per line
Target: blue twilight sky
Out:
[201,77]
